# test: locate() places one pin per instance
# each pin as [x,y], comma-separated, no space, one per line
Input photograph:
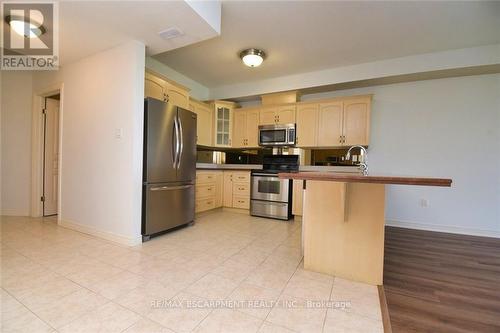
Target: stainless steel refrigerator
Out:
[169,169]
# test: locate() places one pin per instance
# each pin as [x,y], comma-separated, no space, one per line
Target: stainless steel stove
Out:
[270,196]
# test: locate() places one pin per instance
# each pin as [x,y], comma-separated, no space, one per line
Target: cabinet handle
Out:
[340,139]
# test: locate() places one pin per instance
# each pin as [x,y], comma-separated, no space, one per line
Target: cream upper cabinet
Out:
[284,114]
[356,129]
[307,125]
[268,116]
[240,128]
[246,126]
[177,95]
[252,128]
[204,126]
[154,87]
[330,124]
[341,122]
[223,123]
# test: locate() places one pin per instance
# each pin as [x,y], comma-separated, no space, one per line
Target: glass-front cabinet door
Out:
[223,124]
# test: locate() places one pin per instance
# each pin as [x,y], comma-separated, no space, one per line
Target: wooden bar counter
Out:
[343,222]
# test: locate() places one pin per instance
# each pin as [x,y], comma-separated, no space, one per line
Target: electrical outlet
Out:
[424,203]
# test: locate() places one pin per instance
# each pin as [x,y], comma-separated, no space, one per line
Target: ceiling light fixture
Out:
[30,29]
[252,57]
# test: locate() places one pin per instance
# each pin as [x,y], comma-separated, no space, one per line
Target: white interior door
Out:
[51,156]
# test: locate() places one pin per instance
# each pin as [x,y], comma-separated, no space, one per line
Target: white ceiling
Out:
[87,27]
[303,36]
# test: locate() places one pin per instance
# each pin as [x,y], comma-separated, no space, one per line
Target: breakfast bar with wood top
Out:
[343,222]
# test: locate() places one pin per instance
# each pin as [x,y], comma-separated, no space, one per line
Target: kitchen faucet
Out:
[363,167]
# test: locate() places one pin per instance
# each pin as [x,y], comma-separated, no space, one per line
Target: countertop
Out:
[359,178]
[213,166]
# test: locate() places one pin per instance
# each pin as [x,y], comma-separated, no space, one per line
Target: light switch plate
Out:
[119,133]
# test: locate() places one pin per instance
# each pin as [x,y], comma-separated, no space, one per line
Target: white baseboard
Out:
[120,239]
[442,228]
[14,212]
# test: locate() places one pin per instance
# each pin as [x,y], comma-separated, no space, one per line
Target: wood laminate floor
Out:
[439,282]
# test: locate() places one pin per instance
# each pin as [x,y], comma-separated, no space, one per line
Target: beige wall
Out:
[102,174]
[16,101]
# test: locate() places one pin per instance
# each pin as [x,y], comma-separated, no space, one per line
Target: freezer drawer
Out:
[167,206]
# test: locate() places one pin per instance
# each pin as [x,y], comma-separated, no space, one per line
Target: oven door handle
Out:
[265,175]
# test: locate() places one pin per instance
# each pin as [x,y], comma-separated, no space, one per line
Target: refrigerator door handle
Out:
[170,188]
[181,142]
[177,142]
[174,140]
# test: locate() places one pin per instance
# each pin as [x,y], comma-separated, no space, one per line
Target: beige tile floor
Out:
[228,273]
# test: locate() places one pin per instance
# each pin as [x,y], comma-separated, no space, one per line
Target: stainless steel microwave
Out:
[277,135]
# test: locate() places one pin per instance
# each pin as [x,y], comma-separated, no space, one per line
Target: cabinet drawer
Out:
[241,177]
[241,202]
[241,189]
[205,191]
[205,177]
[204,204]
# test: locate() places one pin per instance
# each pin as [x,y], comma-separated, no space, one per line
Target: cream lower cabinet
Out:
[297,197]
[237,189]
[209,190]
[204,126]
[245,129]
